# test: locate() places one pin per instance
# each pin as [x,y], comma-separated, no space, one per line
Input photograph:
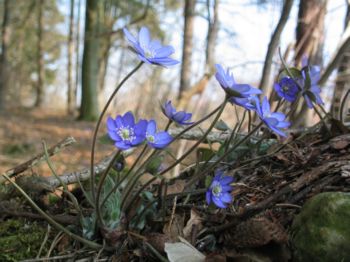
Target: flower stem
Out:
[100,185]
[139,171]
[213,165]
[51,220]
[92,170]
[221,109]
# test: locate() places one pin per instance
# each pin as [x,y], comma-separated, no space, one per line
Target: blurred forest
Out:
[61,59]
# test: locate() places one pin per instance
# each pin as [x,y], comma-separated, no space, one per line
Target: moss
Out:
[322,229]
[20,239]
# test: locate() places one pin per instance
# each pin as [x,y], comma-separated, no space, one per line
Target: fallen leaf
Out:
[183,251]
[195,221]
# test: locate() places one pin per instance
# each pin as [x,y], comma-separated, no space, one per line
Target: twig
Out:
[37,159]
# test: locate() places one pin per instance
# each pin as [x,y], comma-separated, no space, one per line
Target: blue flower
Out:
[148,50]
[274,121]
[240,94]
[180,117]
[287,88]
[219,190]
[157,140]
[125,132]
[309,83]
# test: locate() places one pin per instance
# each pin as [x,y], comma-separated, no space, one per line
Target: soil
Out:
[22,133]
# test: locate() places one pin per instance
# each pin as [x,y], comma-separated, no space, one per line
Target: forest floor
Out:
[270,190]
[22,133]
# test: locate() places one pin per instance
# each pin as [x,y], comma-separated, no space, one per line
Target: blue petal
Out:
[226,197]
[151,127]
[187,116]
[138,140]
[140,128]
[242,88]
[119,121]
[226,188]
[155,44]
[144,59]
[208,196]
[114,136]
[308,101]
[129,36]
[163,137]
[265,106]
[179,116]
[128,119]
[226,180]
[278,115]
[164,51]
[167,61]
[283,124]
[144,37]
[122,145]
[278,131]
[218,202]
[111,124]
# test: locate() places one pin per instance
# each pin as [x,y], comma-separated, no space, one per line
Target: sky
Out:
[245,51]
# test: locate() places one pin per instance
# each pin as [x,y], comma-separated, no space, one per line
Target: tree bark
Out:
[5,31]
[343,76]
[309,43]
[89,102]
[40,59]
[213,28]
[265,79]
[70,84]
[185,77]
[310,31]
[77,52]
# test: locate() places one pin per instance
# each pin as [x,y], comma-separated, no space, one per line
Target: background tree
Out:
[187,46]
[309,43]
[343,76]
[5,40]
[40,59]
[70,84]
[23,50]
[89,103]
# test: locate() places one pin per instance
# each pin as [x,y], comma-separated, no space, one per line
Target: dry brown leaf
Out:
[195,221]
[174,228]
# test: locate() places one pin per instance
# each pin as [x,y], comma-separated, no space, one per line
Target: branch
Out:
[333,64]
[264,83]
[37,159]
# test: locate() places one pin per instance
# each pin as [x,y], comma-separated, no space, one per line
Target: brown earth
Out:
[23,130]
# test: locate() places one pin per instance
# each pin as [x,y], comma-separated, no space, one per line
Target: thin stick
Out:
[92,171]
[37,159]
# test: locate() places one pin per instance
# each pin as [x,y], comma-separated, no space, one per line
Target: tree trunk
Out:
[310,31]
[40,58]
[213,28]
[77,52]
[70,84]
[185,77]
[89,102]
[5,31]
[265,78]
[343,76]
[309,43]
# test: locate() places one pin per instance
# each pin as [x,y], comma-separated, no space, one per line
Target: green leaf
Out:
[204,154]
[153,166]
[295,73]
[105,140]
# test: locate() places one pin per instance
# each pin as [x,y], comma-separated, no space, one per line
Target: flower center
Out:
[150,138]
[285,89]
[216,189]
[126,133]
[149,53]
